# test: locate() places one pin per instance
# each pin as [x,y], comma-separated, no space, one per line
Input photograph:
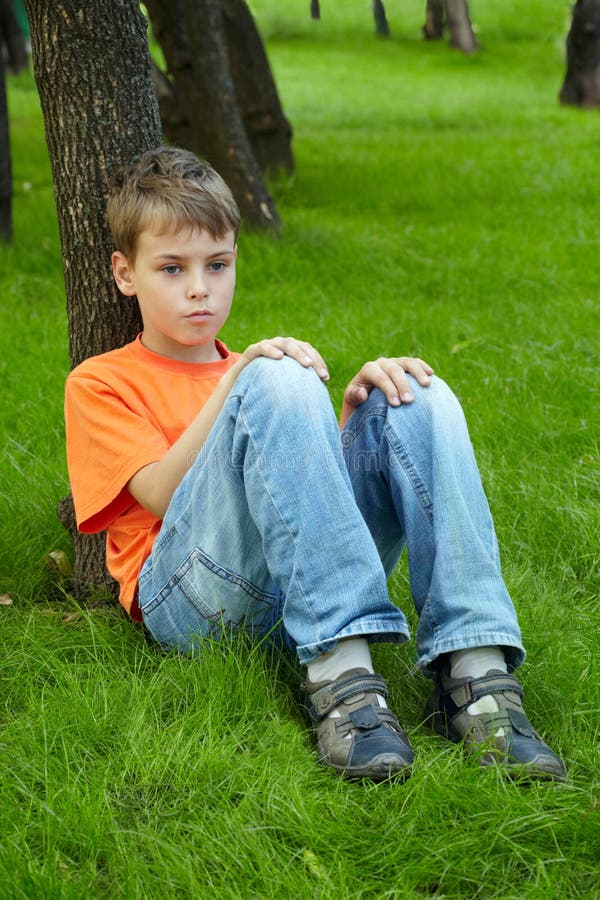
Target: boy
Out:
[229,499]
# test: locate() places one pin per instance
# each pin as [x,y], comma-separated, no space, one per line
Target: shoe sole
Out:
[386,767]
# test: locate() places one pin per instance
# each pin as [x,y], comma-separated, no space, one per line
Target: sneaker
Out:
[365,741]
[503,738]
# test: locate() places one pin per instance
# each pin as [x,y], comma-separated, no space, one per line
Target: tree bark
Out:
[175,119]
[192,36]
[433,29]
[459,25]
[92,68]
[268,130]
[581,86]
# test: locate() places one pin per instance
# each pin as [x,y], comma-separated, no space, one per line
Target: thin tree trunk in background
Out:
[433,29]
[266,126]
[315,9]
[5,160]
[175,120]
[382,29]
[268,130]
[13,38]
[459,26]
[581,86]
[92,68]
[192,36]
[13,55]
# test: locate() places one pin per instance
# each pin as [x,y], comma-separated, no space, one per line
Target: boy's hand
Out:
[388,374]
[278,347]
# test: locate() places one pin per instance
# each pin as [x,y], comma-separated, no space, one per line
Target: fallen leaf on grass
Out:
[72,617]
[5,600]
[464,345]
[313,864]
[59,560]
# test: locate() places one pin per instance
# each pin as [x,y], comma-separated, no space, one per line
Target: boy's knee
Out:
[434,404]
[284,387]
[283,376]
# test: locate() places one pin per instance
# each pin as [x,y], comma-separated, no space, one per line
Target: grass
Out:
[443,206]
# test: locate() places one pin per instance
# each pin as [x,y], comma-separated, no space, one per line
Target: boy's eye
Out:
[171,270]
[217,266]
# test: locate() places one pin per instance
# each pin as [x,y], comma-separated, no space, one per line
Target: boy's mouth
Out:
[199,314]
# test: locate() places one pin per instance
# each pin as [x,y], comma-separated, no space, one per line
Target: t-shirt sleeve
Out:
[108,441]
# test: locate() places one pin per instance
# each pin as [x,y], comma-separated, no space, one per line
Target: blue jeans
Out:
[282,528]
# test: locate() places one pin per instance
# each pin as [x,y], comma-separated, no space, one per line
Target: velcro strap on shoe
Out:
[457,699]
[521,723]
[325,699]
[365,718]
[493,684]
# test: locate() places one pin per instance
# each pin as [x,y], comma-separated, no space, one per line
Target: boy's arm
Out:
[388,374]
[154,485]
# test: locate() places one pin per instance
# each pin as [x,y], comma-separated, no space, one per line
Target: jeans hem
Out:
[515,656]
[372,632]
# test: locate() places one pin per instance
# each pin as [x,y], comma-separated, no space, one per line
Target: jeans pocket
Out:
[201,599]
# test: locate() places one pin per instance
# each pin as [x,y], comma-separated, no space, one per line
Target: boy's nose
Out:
[197,289]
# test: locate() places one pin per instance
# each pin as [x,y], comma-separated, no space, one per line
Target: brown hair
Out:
[168,187]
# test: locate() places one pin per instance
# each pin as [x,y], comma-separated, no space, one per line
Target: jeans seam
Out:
[233,577]
[349,435]
[181,573]
[271,498]
[418,485]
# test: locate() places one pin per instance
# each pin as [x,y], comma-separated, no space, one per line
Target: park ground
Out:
[444,206]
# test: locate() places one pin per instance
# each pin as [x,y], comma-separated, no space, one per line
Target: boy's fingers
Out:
[355,394]
[265,348]
[389,375]
[304,353]
[395,386]
[417,367]
[376,374]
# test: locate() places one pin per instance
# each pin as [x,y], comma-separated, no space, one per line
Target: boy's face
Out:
[184,282]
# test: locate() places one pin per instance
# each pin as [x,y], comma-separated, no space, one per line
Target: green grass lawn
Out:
[444,206]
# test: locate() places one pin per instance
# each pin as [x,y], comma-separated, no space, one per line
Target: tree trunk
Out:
[12,38]
[268,130]
[315,9]
[382,29]
[459,26]
[582,80]
[5,159]
[92,67]
[192,36]
[13,54]
[175,120]
[433,29]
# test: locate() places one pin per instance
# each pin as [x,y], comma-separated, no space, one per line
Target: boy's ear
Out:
[123,273]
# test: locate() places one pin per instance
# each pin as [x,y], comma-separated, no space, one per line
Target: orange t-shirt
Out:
[123,410]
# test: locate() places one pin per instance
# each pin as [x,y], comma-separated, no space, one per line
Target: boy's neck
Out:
[202,353]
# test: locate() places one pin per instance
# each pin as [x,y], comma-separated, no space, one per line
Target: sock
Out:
[475,662]
[349,653]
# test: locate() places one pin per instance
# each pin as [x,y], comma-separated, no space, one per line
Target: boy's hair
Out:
[168,188]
